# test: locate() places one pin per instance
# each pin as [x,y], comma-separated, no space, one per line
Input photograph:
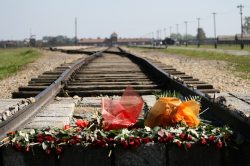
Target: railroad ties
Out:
[109,75]
[191,82]
[37,85]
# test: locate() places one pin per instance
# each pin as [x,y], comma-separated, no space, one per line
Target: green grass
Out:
[11,60]
[240,63]
[221,46]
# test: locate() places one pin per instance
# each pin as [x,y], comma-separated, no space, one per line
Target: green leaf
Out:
[103,134]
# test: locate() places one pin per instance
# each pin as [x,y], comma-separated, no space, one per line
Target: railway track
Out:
[108,73]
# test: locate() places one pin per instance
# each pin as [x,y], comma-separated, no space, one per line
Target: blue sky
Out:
[129,18]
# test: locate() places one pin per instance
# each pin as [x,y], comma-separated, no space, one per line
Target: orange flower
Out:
[161,114]
[187,112]
[170,110]
[81,123]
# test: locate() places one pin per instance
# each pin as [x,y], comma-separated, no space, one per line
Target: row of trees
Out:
[58,40]
[201,35]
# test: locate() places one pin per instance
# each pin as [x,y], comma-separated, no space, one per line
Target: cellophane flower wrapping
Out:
[123,112]
[169,111]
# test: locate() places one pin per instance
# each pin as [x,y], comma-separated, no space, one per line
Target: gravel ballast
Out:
[217,73]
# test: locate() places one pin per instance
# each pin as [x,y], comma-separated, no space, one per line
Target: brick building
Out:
[113,40]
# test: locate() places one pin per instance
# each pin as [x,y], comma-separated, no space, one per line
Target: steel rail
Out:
[43,98]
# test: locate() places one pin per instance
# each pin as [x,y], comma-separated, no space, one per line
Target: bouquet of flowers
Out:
[169,121]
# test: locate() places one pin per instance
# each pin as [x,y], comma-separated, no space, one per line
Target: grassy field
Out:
[13,59]
[221,46]
[240,63]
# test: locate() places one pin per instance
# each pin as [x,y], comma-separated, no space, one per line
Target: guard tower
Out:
[113,39]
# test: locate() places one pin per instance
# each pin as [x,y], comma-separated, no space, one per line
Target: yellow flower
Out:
[169,110]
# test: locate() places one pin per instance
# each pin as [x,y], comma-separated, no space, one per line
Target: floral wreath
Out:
[169,121]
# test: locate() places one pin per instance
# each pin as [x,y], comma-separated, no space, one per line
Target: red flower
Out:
[49,138]
[74,140]
[211,138]
[81,123]
[145,140]
[40,138]
[182,136]
[124,144]
[99,143]
[178,143]
[131,143]
[58,150]
[63,140]
[160,139]
[203,141]
[219,144]
[18,146]
[66,127]
[189,138]
[170,137]
[137,143]
[188,145]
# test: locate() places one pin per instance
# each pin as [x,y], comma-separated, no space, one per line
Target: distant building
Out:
[114,41]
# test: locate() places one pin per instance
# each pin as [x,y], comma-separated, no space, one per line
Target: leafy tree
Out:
[246,25]
[201,36]
[189,37]
[176,36]
[58,40]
